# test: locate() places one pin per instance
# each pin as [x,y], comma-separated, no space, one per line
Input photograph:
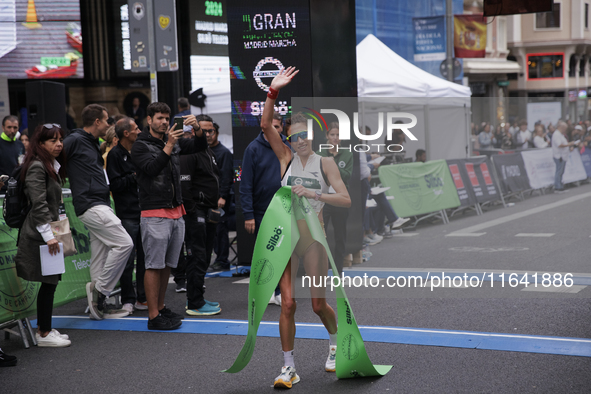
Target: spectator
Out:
[122,176]
[110,244]
[12,151]
[577,133]
[261,178]
[137,113]
[111,140]
[25,138]
[43,176]
[498,136]
[344,160]
[485,137]
[200,180]
[523,136]
[421,156]
[183,106]
[223,158]
[539,137]
[156,157]
[560,152]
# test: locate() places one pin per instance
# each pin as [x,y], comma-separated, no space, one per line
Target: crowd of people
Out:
[171,186]
[519,135]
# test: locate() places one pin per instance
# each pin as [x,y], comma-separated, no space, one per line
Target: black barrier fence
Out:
[474,180]
[511,173]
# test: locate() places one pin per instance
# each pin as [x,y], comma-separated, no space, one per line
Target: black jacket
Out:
[122,176]
[200,180]
[223,157]
[88,180]
[158,174]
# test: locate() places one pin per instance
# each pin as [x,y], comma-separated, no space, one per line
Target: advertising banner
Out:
[469,36]
[17,296]
[511,172]
[429,34]
[465,193]
[541,168]
[476,178]
[419,188]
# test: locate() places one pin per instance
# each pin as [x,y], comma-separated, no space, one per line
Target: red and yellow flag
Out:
[469,35]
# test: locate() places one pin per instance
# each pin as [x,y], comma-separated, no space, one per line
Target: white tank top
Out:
[310,177]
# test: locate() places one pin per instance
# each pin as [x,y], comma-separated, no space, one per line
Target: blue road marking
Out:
[381,334]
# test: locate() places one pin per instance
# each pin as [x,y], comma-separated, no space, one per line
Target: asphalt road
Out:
[543,233]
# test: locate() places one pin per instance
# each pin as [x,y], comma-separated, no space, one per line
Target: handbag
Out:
[61,231]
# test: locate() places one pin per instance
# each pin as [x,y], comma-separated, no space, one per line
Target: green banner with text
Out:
[17,296]
[419,188]
[275,242]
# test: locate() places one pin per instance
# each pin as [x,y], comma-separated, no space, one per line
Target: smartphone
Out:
[179,123]
[4,178]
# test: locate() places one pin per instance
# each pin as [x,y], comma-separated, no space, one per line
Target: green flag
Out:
[278,235]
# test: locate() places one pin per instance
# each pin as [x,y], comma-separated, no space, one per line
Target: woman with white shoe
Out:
[42,173]
[320,172]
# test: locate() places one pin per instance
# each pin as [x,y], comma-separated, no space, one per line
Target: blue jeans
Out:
[560,166]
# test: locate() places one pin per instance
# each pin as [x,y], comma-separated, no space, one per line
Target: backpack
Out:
[16,204]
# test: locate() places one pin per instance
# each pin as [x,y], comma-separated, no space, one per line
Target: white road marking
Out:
[406,235]
[519,215]
[458,234]
[552,289]
[535,235]
[244,281]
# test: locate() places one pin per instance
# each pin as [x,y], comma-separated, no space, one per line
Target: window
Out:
[582,63]
[545,65]
[549,20]
[572,66]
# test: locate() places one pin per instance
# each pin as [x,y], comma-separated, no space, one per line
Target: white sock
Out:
[332,340]
[288,360]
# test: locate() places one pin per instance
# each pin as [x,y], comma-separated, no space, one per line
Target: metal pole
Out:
[152,50]
[450,39]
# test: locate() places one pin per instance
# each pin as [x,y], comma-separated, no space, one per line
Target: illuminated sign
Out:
[40,39]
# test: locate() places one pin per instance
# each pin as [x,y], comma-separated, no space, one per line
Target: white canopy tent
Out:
[388,83]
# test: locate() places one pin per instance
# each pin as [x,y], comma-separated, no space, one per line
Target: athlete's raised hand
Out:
[283,78]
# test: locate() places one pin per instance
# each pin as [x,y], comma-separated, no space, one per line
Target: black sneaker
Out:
[163,323]
[101,301]
[218,266]
[170,314]
[181,286]
[7,360]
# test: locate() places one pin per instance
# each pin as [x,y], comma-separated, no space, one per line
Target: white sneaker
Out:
[278,299]
[272,300]
[63,336]
[128,307]
[114,313]
[141,306]
[369,240]
[376,238]
[287,378]
[330,365]
[399,222]
[52,340]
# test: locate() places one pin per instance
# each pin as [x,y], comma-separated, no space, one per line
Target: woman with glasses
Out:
[42,173]
[298,168]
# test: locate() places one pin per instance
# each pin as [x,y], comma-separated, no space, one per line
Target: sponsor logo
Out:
[348,313]
[276,239]
[350,347]
[185,178]
[286,202]
[342,164]
[263,272]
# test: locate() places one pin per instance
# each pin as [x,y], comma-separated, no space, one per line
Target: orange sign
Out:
[469,35]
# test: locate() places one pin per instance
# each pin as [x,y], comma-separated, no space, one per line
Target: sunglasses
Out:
[301,134]
[50,126]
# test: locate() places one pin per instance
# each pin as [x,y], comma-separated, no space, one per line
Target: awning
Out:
[490,66]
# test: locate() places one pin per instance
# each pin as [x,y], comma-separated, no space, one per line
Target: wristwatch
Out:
[318,195]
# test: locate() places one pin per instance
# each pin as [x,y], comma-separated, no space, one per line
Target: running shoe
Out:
[141,306]
[288,378]
[205,310]
[52,340]
[330,365]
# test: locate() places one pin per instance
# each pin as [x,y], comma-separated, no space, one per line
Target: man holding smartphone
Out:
[156,156]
